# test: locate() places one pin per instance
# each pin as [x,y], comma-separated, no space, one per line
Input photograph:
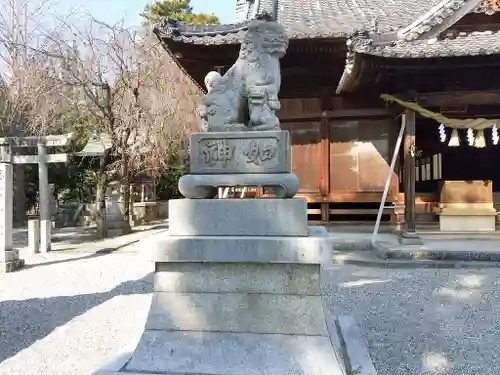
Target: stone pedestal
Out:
[238,217]
[237,282]
[115,222]
[466,206]
[9,258]
[239,159]
[45,236]
[34,236]
[246,317]
[237,291]
[467,217]
[467,220]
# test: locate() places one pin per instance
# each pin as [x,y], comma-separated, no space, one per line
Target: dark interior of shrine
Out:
[461,163]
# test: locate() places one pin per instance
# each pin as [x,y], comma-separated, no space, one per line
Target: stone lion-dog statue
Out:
[246,97]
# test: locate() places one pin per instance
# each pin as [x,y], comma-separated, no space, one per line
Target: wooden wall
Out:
[306,155]
[340,154]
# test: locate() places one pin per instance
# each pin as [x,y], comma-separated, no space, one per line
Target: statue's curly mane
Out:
[265,37]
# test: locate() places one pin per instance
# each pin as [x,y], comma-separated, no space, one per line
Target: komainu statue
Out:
[246,97]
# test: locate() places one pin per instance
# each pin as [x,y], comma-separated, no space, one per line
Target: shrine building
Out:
[353,72]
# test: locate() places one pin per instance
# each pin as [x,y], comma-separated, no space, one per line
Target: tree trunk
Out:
[102,228]
[126,191]
[126,202]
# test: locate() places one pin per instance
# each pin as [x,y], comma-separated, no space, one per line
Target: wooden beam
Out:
[365,197]
[438,99]
[359,113]
[477,21]
[341,114]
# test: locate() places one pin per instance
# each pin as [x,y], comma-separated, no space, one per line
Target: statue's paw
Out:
[236,127]
[267,127]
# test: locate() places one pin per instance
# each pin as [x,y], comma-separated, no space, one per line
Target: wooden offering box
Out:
[466,206]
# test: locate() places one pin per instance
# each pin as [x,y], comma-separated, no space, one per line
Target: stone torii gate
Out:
[9,258]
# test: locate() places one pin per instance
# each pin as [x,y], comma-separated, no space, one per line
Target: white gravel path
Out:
[70,313]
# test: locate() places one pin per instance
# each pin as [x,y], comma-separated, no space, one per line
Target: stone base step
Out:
[369,259]
[224,353]
[238,217]
[11,266]
[463,236]
[455,251]
[216,352]
[237,249]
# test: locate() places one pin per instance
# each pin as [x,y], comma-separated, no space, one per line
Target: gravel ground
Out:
[422,321]
[68,314]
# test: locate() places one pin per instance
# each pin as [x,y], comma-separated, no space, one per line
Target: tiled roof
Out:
[465,44]
[309,19]
[201,34]
[405,20]
[437,19]
[347,16]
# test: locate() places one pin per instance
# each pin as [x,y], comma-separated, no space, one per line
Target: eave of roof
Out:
[234,33]
[437,19]
[464,44]
[383,28]
[307,19]
[201,34]
[418,39]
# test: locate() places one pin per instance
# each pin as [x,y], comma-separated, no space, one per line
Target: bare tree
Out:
[139,96]
[32,99]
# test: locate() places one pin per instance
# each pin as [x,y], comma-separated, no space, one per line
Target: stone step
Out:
[455,251]
[225,353]
[235,249]
[467,236]
[369,259]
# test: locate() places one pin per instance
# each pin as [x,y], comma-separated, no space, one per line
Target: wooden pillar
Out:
[409,235]
[324,130]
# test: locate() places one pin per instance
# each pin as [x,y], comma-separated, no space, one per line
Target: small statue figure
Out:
[210,81]
[246,97]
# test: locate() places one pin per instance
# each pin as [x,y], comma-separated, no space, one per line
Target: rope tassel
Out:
[479,141]
[455,139]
